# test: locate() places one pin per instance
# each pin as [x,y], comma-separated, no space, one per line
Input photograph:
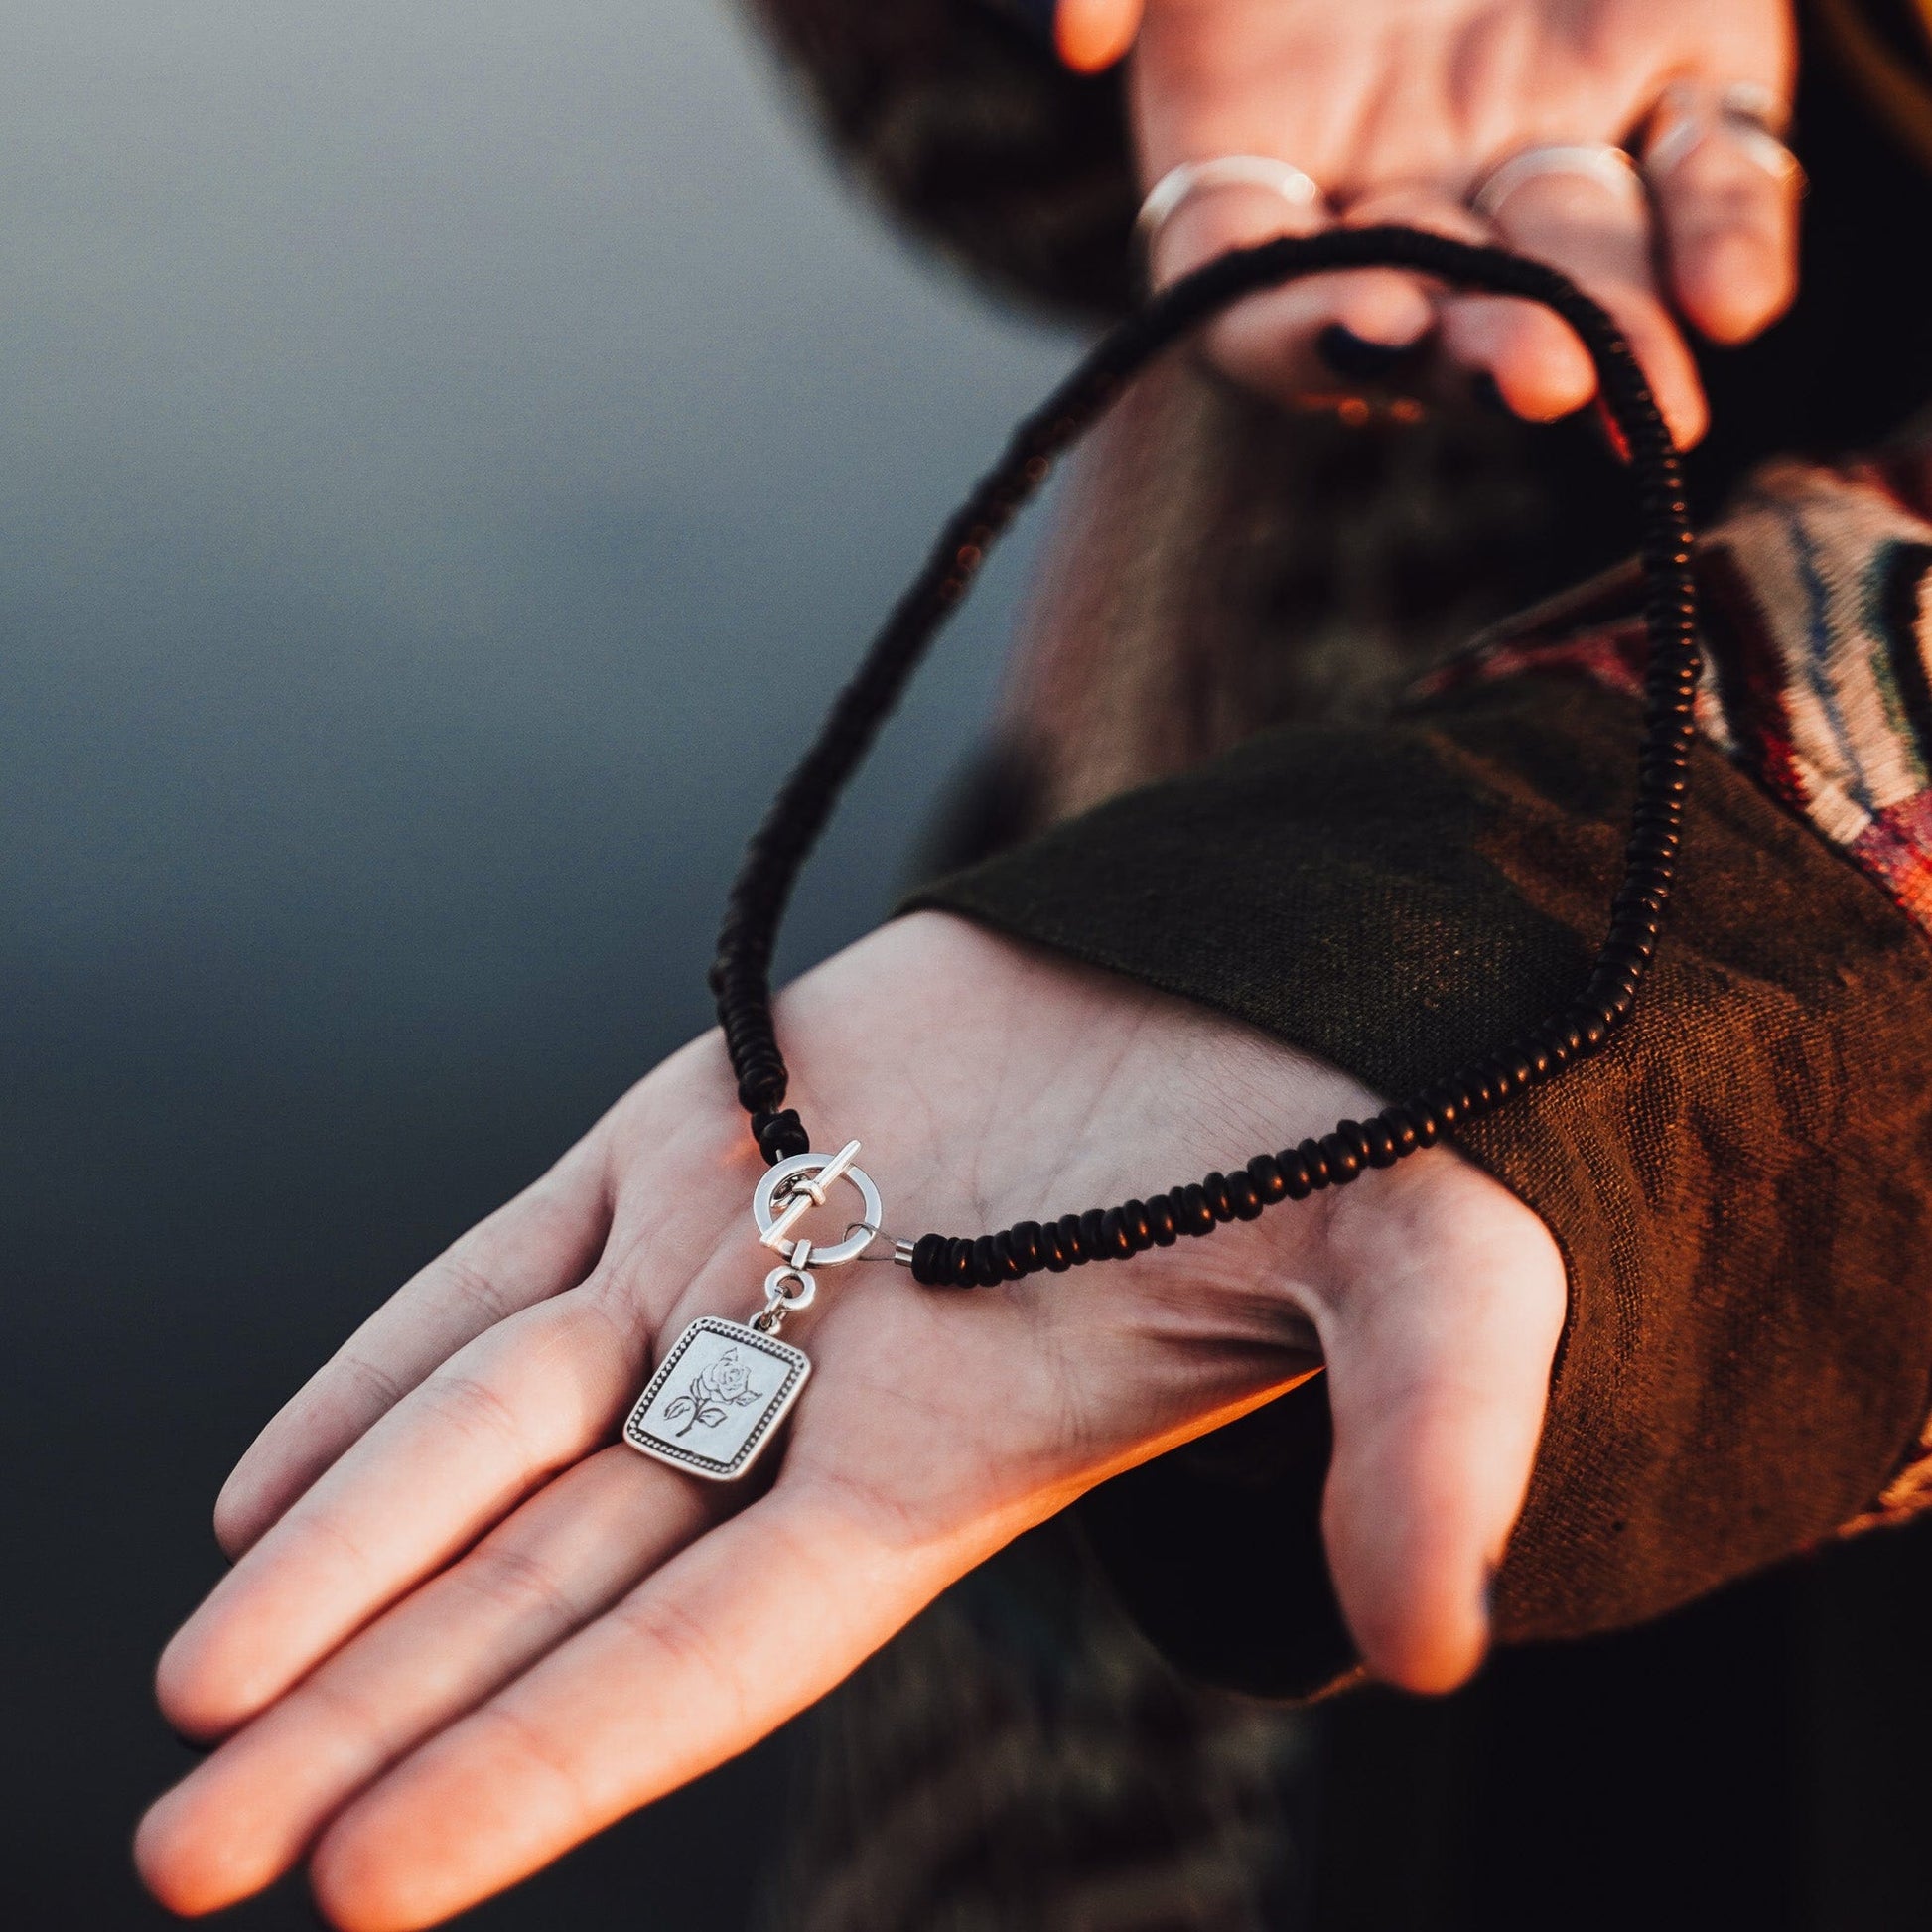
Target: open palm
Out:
[429,1715]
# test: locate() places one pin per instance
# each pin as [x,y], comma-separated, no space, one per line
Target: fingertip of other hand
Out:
[1090,36]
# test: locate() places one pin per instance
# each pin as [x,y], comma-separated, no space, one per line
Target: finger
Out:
[519,1403]
[1419,205]
[537,1245]
[1597,235]
[246,1816]
[1729,224]
[753,1622]
[1287,341]
[1091,35]
[1440,1336]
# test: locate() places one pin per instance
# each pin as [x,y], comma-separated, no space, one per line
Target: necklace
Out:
[722,1390]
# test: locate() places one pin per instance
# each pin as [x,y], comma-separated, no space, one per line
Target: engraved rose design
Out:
[726,1384]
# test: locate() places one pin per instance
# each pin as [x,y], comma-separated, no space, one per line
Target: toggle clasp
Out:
[792,1189]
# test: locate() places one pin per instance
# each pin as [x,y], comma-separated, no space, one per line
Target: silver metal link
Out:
[778,1303]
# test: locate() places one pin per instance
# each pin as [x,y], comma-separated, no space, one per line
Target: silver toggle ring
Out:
[1747,114]
[792,1189]
[1597,161]
[1181,183]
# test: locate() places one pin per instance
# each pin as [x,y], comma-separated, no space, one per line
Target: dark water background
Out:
[445,453]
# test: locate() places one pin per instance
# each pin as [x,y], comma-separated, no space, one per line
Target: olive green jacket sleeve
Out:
[1742,1185]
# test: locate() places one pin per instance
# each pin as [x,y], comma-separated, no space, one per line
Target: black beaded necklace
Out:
[706,1380]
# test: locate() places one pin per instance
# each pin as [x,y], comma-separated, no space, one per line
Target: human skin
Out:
[467,1627]
[1399,109]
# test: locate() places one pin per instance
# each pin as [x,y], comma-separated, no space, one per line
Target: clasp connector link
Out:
[778,1303]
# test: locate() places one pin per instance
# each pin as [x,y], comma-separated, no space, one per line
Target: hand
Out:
[1401,108]
[431,1717]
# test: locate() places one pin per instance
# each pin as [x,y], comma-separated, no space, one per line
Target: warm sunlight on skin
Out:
[1399,110]
[465,1629]
[1091,35]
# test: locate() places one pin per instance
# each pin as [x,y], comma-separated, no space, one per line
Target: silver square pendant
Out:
[717,1398]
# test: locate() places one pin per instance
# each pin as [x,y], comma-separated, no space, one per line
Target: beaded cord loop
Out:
[740,974]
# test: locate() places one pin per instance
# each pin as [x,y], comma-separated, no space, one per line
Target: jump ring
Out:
[774,1296]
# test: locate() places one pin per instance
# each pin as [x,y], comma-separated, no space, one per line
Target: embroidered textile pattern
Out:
[1816,680]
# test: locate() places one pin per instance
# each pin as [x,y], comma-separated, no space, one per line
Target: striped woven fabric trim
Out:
[1816,683]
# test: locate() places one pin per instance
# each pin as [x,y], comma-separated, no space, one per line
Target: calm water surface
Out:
[444,450]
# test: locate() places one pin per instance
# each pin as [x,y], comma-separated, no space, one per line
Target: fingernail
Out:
[1482,387]
[1354,357]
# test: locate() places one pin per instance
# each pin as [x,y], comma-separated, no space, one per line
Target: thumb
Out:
[1440,1327]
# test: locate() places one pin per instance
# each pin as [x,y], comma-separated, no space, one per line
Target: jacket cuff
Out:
[1740,1185]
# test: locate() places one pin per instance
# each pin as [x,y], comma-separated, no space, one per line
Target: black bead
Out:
[1345,1163]
[779,1136]
[1266,1173]
[1026,1244]
[740,974]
